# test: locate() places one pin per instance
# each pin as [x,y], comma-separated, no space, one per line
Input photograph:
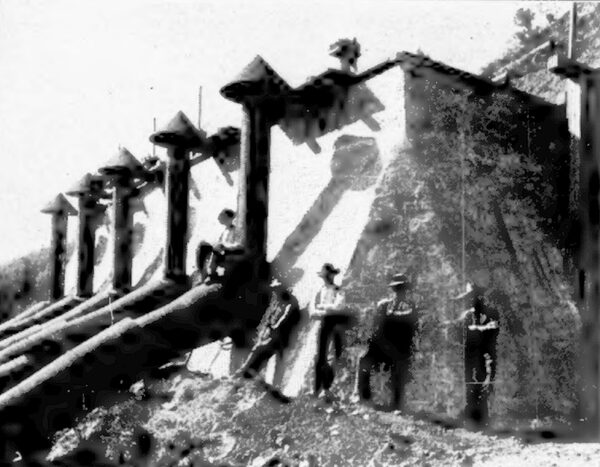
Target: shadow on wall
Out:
[355,166]
[326,106]
[154,266]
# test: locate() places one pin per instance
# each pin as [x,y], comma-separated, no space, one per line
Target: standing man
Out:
[329,306]
[480,333]
[392,342]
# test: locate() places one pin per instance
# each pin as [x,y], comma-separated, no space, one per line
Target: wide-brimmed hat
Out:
[328,269]
[399,279]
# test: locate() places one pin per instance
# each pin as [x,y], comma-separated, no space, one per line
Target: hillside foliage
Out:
[462,172]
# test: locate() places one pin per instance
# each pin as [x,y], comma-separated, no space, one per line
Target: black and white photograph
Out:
[299,233]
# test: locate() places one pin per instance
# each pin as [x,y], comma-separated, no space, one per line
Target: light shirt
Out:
[227,237]
[329,298]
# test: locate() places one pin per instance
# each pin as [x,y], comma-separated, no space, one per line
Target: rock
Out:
[284,440]
[138,390]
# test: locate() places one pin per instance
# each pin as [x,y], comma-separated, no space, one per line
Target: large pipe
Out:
[145,343]
[60,209]
[123,251]
[262,94]
[177,189]
[88,191]
[58,250]
[253,195]
[121,170]
[179,137]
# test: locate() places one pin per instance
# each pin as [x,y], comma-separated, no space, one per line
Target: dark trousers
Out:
[205,258]
[210,257]
[332,329]
[480,369]
[400,375]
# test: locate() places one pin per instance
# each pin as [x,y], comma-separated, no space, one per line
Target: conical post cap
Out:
[58,205]
[82,186]
[180,132]
[122,161]
[257,79]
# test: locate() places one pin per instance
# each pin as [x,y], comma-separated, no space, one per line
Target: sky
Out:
[80,78]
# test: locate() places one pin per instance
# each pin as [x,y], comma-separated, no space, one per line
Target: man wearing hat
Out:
[275,329]
[329,306]
[480,333]
[392,342]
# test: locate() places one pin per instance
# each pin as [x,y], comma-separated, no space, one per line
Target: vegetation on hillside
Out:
[538,24]
[510,241]
[24,281]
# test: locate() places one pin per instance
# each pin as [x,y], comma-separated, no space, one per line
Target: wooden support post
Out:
[121,170]
[583,112]
[60,209]
[589,152]
[89,191]
[179,137]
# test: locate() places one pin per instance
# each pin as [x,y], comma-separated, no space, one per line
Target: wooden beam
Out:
[589,151]
[567,67]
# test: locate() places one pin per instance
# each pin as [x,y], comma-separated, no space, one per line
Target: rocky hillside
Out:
[198,421]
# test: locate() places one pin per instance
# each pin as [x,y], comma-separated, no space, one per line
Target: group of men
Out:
[393,338]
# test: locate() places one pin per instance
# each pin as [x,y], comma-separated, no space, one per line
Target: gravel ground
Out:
[206,422]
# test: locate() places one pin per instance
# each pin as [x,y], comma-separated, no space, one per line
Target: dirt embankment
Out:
[194,420]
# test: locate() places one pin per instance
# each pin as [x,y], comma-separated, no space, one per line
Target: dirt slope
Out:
[195,420]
